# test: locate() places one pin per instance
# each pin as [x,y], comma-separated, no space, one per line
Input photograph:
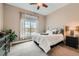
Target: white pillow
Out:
[49,32]
[54,31]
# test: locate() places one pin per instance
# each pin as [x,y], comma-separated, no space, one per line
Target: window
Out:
[28,25]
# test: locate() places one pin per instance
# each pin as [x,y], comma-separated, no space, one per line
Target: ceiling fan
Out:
[39,5]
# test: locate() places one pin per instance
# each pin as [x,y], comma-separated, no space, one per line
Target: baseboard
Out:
[19,41]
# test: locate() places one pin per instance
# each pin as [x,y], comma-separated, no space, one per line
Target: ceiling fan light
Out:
[39,4]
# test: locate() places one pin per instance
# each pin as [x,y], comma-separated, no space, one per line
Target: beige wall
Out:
[12,19]
[68,15]
[1,16]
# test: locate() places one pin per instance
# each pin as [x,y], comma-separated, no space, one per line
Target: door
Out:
[28,27]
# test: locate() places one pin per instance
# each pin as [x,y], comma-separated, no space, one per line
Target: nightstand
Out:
[72,41]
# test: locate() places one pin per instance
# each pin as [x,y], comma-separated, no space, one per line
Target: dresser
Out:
[72,41]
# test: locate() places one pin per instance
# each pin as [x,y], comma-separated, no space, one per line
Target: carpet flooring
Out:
[26,49]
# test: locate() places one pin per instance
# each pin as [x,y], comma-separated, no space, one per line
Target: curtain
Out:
[28,25]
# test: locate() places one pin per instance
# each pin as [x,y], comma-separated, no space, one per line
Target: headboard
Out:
[58,29]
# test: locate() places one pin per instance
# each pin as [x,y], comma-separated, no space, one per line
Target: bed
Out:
[46,41]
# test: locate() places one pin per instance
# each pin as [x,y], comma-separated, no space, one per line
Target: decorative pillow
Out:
[49,32]
[44,34]
[54,31]
[62,31]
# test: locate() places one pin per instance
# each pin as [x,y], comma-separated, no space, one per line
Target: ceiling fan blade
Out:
[38,7]
[45,5]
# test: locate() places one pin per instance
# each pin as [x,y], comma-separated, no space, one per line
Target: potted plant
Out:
[12,34]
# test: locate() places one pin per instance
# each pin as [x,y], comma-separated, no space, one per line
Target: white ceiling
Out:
[43,11]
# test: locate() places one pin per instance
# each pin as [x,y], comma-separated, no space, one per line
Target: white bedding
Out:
[45,41]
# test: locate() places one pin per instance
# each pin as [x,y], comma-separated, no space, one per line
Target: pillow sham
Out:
[49,32]
[54,31]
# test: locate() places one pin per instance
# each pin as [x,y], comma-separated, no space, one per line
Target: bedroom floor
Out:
[26,49]
[31,49]
[63,51]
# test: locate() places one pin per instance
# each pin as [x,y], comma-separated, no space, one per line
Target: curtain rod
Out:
[29,14]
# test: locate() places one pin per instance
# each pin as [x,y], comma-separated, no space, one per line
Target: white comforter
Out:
[45,41]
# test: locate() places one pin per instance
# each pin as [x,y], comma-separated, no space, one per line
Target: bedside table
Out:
[72,41]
